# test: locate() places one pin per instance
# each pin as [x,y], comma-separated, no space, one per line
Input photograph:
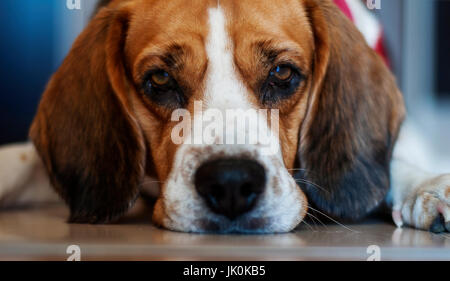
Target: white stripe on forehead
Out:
[224,90]
[225,108]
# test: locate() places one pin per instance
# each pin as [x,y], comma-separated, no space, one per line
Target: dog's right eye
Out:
[160,78]
[160,87]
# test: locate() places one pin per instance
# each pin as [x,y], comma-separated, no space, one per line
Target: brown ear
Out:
[354,115]
[85,134]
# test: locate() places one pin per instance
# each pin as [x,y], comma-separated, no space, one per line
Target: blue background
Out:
[26,56]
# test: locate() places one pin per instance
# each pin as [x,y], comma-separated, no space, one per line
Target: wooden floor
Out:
[43,234]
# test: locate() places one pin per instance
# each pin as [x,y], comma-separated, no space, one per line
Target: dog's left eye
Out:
[282,72]
[282,81]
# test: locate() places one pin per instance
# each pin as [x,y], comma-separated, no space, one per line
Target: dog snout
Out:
[230,187]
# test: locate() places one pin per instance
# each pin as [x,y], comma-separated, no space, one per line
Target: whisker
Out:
[150,182]
[313,220]
[330,218]
[443,234]
[300,169]
[303,170]
[297,169]
[316,218]
[311,183]
[307,224]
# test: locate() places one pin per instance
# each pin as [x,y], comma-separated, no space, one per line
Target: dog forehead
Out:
[159,22]
[223,88]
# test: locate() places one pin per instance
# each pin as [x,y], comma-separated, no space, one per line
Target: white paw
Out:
[427,207]
[16,164]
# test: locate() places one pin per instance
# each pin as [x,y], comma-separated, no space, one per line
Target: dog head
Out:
[324,107]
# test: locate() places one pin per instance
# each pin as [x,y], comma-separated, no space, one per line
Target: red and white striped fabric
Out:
[366,22]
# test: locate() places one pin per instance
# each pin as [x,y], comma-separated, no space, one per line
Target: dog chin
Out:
[250,223]
[245,225]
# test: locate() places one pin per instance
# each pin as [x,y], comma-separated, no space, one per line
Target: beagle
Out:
[104,130]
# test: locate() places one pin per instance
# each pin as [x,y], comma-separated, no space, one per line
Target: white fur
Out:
[282,210]
[23,180]
[417,196]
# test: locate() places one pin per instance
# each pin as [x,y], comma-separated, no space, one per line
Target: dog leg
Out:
[418,198]
[23,180]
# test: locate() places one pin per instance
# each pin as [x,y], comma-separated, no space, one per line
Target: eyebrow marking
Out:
[268,52]
[173,56]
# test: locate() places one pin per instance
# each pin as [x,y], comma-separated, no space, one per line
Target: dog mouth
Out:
[229,189]
[231,195]
[241,225]
[256,221]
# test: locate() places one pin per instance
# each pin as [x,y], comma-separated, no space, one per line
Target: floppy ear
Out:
[84,131]
[355,112]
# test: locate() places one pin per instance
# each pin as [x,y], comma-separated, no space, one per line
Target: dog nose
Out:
[230,187]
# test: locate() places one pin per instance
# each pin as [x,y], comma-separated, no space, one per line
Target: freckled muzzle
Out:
[229,189]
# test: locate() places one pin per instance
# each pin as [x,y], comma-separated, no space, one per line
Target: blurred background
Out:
[36,35]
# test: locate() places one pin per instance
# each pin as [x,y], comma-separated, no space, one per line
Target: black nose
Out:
[230,187]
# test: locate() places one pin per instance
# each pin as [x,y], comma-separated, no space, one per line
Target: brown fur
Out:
[88,139]
[354,117]
[98,135]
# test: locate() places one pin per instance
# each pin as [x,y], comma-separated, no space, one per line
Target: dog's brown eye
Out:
[160,87]
[282,73]
[282,81]
[161,78]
